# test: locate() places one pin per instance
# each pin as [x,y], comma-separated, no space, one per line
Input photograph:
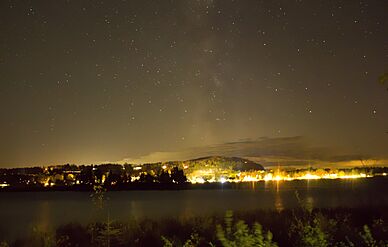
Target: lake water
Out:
[21,211]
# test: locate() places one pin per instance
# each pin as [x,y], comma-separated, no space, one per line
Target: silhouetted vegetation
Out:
[86,178]
[340,227]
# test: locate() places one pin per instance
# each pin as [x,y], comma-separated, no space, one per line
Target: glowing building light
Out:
[310,176]
[198,180]
[278,178]
[268,177]
[4,185]
[249,179]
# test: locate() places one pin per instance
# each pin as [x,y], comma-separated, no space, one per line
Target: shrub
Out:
[240,234]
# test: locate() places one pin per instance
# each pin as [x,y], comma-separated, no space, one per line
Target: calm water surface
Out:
[21,211]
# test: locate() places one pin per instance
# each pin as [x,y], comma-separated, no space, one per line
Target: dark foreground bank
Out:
[299,227]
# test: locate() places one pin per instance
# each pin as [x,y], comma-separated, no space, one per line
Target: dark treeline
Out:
[122,177]
[110,176]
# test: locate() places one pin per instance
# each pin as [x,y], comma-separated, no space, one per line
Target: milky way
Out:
[91,81]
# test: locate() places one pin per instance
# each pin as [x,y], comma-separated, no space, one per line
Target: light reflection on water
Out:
[20,211]
[278,203]
[42,222]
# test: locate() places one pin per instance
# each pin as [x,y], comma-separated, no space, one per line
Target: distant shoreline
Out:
[170,187]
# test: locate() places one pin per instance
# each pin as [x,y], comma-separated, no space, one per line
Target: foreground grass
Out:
[340,227]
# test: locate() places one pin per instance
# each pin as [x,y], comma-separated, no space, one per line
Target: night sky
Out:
[94,81]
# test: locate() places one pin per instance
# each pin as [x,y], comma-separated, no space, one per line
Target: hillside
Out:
[217,168]
[232,163]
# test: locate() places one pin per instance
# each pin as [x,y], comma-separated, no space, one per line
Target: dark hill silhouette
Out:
[234,163]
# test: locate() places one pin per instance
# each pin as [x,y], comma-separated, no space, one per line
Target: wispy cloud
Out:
[289,151]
